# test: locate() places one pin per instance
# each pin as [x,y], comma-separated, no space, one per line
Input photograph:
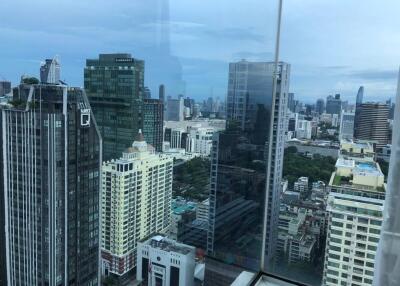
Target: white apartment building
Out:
[199,140]
[303,129]
[354,208]
[164,262]
[194,136]
[301,185]
[136,202]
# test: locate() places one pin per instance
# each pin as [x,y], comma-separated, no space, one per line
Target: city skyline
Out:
[321,63]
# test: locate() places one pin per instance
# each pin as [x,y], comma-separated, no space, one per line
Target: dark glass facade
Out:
[239,164]
[153,122]
[52,160]
[114,84]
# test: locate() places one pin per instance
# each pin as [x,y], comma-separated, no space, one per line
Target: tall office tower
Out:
[162,261]
[320,106]
[136,202]
[51,164]
[114,84]
[360,95]
[372,123]
[161,93]
[153,122]
[291,102]
[333,104]
[346,125]
[5,87]
[50,71]
[239,165]
[354,209]
[175,109]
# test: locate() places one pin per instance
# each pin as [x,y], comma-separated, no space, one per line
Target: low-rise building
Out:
[164,262]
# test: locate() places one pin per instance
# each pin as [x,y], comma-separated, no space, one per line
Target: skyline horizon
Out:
[154,90]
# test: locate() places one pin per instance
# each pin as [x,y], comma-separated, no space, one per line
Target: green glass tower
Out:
[114,84]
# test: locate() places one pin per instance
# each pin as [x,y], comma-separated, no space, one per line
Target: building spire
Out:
[139,137]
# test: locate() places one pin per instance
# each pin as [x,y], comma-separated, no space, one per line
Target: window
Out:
[262,155]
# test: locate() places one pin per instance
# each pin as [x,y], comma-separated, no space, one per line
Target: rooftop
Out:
[163,243]
[261,279]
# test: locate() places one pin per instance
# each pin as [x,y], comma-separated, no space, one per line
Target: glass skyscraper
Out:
[51,163]
[239,200]
[114,84]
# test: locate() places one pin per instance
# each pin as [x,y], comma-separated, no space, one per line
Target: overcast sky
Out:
[333,46]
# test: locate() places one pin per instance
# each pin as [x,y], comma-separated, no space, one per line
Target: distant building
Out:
[355,204]
[301,185]
[5,87]
[333,104]
[153,122]
[164,262]
[136,194]
[291,102]
[360,95]
[346,125]
[320,106]
[161,93]
[194,136]
[146,93]
[303,129]
[50,71]
[372,123]
[114,84]
[174,109]
[199,140]
[335,120]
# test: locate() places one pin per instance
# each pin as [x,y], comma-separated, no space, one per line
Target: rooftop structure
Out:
[360,149]
[354,212]
[163,261]
[359,174]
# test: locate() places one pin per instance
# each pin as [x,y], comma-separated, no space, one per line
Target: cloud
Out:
[375,75]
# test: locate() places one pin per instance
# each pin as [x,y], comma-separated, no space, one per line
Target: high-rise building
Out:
[346,125]
[153,122]
[174,109]
[360,95]
[372,123]
[51,188]
[161,93]
[240,165]
[146,93]
[291,102]
[320,106]
[333,104]
[50,71]
[114,84]
[5,87]
[354,208]
[136,202]
[162,261]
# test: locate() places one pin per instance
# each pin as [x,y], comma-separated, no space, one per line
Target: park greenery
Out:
[191,179]
[317,168]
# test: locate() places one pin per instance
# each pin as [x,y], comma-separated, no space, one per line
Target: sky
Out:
[332,46]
